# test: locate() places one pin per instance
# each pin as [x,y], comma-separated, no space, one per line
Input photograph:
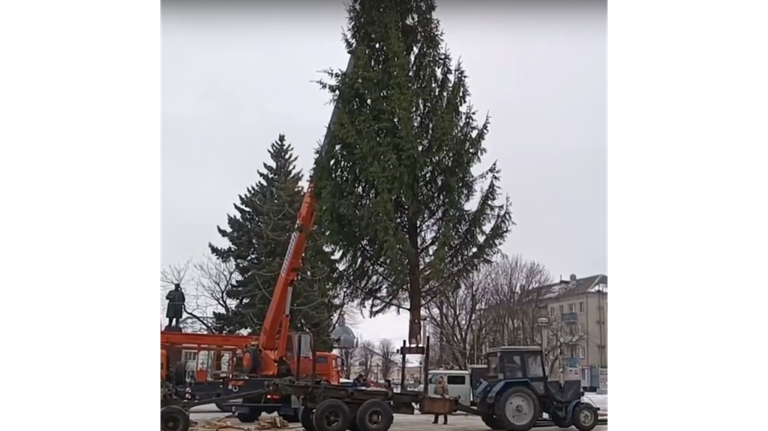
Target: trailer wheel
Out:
[331,415]
[560,421]
[491,421]
[305,418]
[517,409]
[174,418]
[180,373]
[220,405]
[247,417]
[374,415]
[585,417]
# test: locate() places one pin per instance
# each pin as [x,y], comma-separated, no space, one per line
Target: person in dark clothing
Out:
[358,381]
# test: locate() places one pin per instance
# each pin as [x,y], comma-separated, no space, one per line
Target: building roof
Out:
[579,286]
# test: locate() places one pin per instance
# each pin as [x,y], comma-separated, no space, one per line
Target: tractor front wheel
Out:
[517,409]
[585,417]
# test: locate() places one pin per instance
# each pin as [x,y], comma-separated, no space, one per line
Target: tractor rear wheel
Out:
[174,418]
[585,417]
[491,421]
[517,409]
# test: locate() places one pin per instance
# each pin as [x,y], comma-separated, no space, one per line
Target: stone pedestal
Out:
[169,328]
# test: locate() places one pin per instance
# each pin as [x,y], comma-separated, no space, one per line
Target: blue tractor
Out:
[515,393]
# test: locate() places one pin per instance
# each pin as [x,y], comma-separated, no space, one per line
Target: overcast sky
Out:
[236,76]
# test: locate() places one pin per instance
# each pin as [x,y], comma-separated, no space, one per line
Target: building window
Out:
[571,308]
[581,307]
[581,329]
[581,352]
[561,309]
[551,311]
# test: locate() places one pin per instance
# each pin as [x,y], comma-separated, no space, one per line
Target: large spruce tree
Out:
[258,235]
[395,183]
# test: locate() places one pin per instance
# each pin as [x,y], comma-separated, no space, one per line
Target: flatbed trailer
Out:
[339,408]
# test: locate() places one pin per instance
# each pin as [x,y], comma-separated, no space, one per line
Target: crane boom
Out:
[278,318]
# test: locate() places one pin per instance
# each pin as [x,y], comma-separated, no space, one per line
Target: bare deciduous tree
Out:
[205,284]
[349,356]
[515,299]
[194,304]
[366,355]
[498,305]
[458,321]
[563,340]
[387,353]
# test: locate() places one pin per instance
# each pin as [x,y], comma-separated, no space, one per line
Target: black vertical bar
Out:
[404,364]
[313,349]
[297,354]
[425,369]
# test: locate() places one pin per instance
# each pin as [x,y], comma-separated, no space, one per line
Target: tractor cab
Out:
[516,362]
[516,392]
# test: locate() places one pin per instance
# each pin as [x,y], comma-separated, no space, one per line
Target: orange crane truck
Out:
[281,353]
[215,357]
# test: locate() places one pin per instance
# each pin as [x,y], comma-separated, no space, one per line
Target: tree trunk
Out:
[414,284]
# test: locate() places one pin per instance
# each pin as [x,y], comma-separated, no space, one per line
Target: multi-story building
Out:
[578,310]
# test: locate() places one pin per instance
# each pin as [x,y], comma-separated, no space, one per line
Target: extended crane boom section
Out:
[278,318]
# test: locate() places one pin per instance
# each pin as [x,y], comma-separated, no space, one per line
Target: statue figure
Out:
[175,307]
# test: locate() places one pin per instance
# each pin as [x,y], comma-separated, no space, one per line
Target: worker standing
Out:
[441,389]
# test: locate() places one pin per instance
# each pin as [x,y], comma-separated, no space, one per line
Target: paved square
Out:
[402,423]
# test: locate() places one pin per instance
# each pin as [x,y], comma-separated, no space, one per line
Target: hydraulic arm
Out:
[273,340]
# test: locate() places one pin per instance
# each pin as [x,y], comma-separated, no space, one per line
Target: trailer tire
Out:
[174,418]
[220,405]
[374,415]
[305,418]
[517,409]
[491,421]
[247,418]
[332,415]
[180,373]
[585,417]
[292,418]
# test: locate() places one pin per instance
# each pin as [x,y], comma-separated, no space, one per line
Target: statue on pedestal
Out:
[175,308]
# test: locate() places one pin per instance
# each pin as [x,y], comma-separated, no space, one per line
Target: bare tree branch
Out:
[367,352]
[387,354]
